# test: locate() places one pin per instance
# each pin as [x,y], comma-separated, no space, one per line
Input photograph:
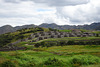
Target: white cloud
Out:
[53,2]
[21,12]
[61,2]
[81,14]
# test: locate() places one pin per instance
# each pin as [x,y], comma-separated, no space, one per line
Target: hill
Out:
[39,47]
[8,28]
[93,26]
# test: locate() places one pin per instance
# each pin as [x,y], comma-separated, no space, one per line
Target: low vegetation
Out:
[56,56]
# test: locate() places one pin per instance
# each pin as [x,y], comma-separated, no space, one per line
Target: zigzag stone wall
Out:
[34,37]
[56,34]
[12,49]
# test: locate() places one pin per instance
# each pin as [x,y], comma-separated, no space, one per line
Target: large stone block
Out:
[94,34]
[72,35]
[41,32]
[30,38]
[53,36]
[66,35]
[44,34]
[62,33]
[60,36]
[40,38]
[31,35]
[37,35]
[90,35]
[46,37]
[79,35]
[84,35]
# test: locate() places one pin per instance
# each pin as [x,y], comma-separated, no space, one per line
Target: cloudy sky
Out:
[61,12]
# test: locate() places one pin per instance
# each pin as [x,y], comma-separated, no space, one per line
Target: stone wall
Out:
[54,34]
[12,49]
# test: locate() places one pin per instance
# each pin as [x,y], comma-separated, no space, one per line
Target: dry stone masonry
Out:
[34,37]
[56,34]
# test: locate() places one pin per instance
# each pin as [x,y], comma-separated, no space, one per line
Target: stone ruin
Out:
[54,34]
[40,38]
[46,37]
[57,34]
[66,35]
[34,37]
[60,36]
[72,35]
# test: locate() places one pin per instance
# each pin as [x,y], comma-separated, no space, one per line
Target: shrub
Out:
[62,43]
[8,64]
[29,64]
[85,60]
[37,44]
[54,62]
[70,43]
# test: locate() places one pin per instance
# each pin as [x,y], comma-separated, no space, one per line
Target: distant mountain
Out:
[52,25]
[25,26]
[93,26]
[8,28]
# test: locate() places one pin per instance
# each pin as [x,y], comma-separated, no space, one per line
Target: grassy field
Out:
[56,56]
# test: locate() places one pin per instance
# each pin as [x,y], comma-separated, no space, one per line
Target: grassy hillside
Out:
[7,38]
[52,52]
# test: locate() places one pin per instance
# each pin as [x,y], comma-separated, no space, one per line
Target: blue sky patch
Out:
[43,10]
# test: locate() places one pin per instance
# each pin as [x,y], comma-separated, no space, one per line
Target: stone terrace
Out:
[34,37]
[56,34]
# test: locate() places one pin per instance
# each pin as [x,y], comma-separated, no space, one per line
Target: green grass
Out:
[97,65]
[72,49]
[65,30]
[65,55]
[97,32]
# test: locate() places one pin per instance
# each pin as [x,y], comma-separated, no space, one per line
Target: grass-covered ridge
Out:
[8,38]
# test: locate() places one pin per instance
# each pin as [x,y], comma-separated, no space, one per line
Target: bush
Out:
[54,62]
[29,64]
[37,44]
[70,43]
[85,60]
[62,43]
[8,64]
